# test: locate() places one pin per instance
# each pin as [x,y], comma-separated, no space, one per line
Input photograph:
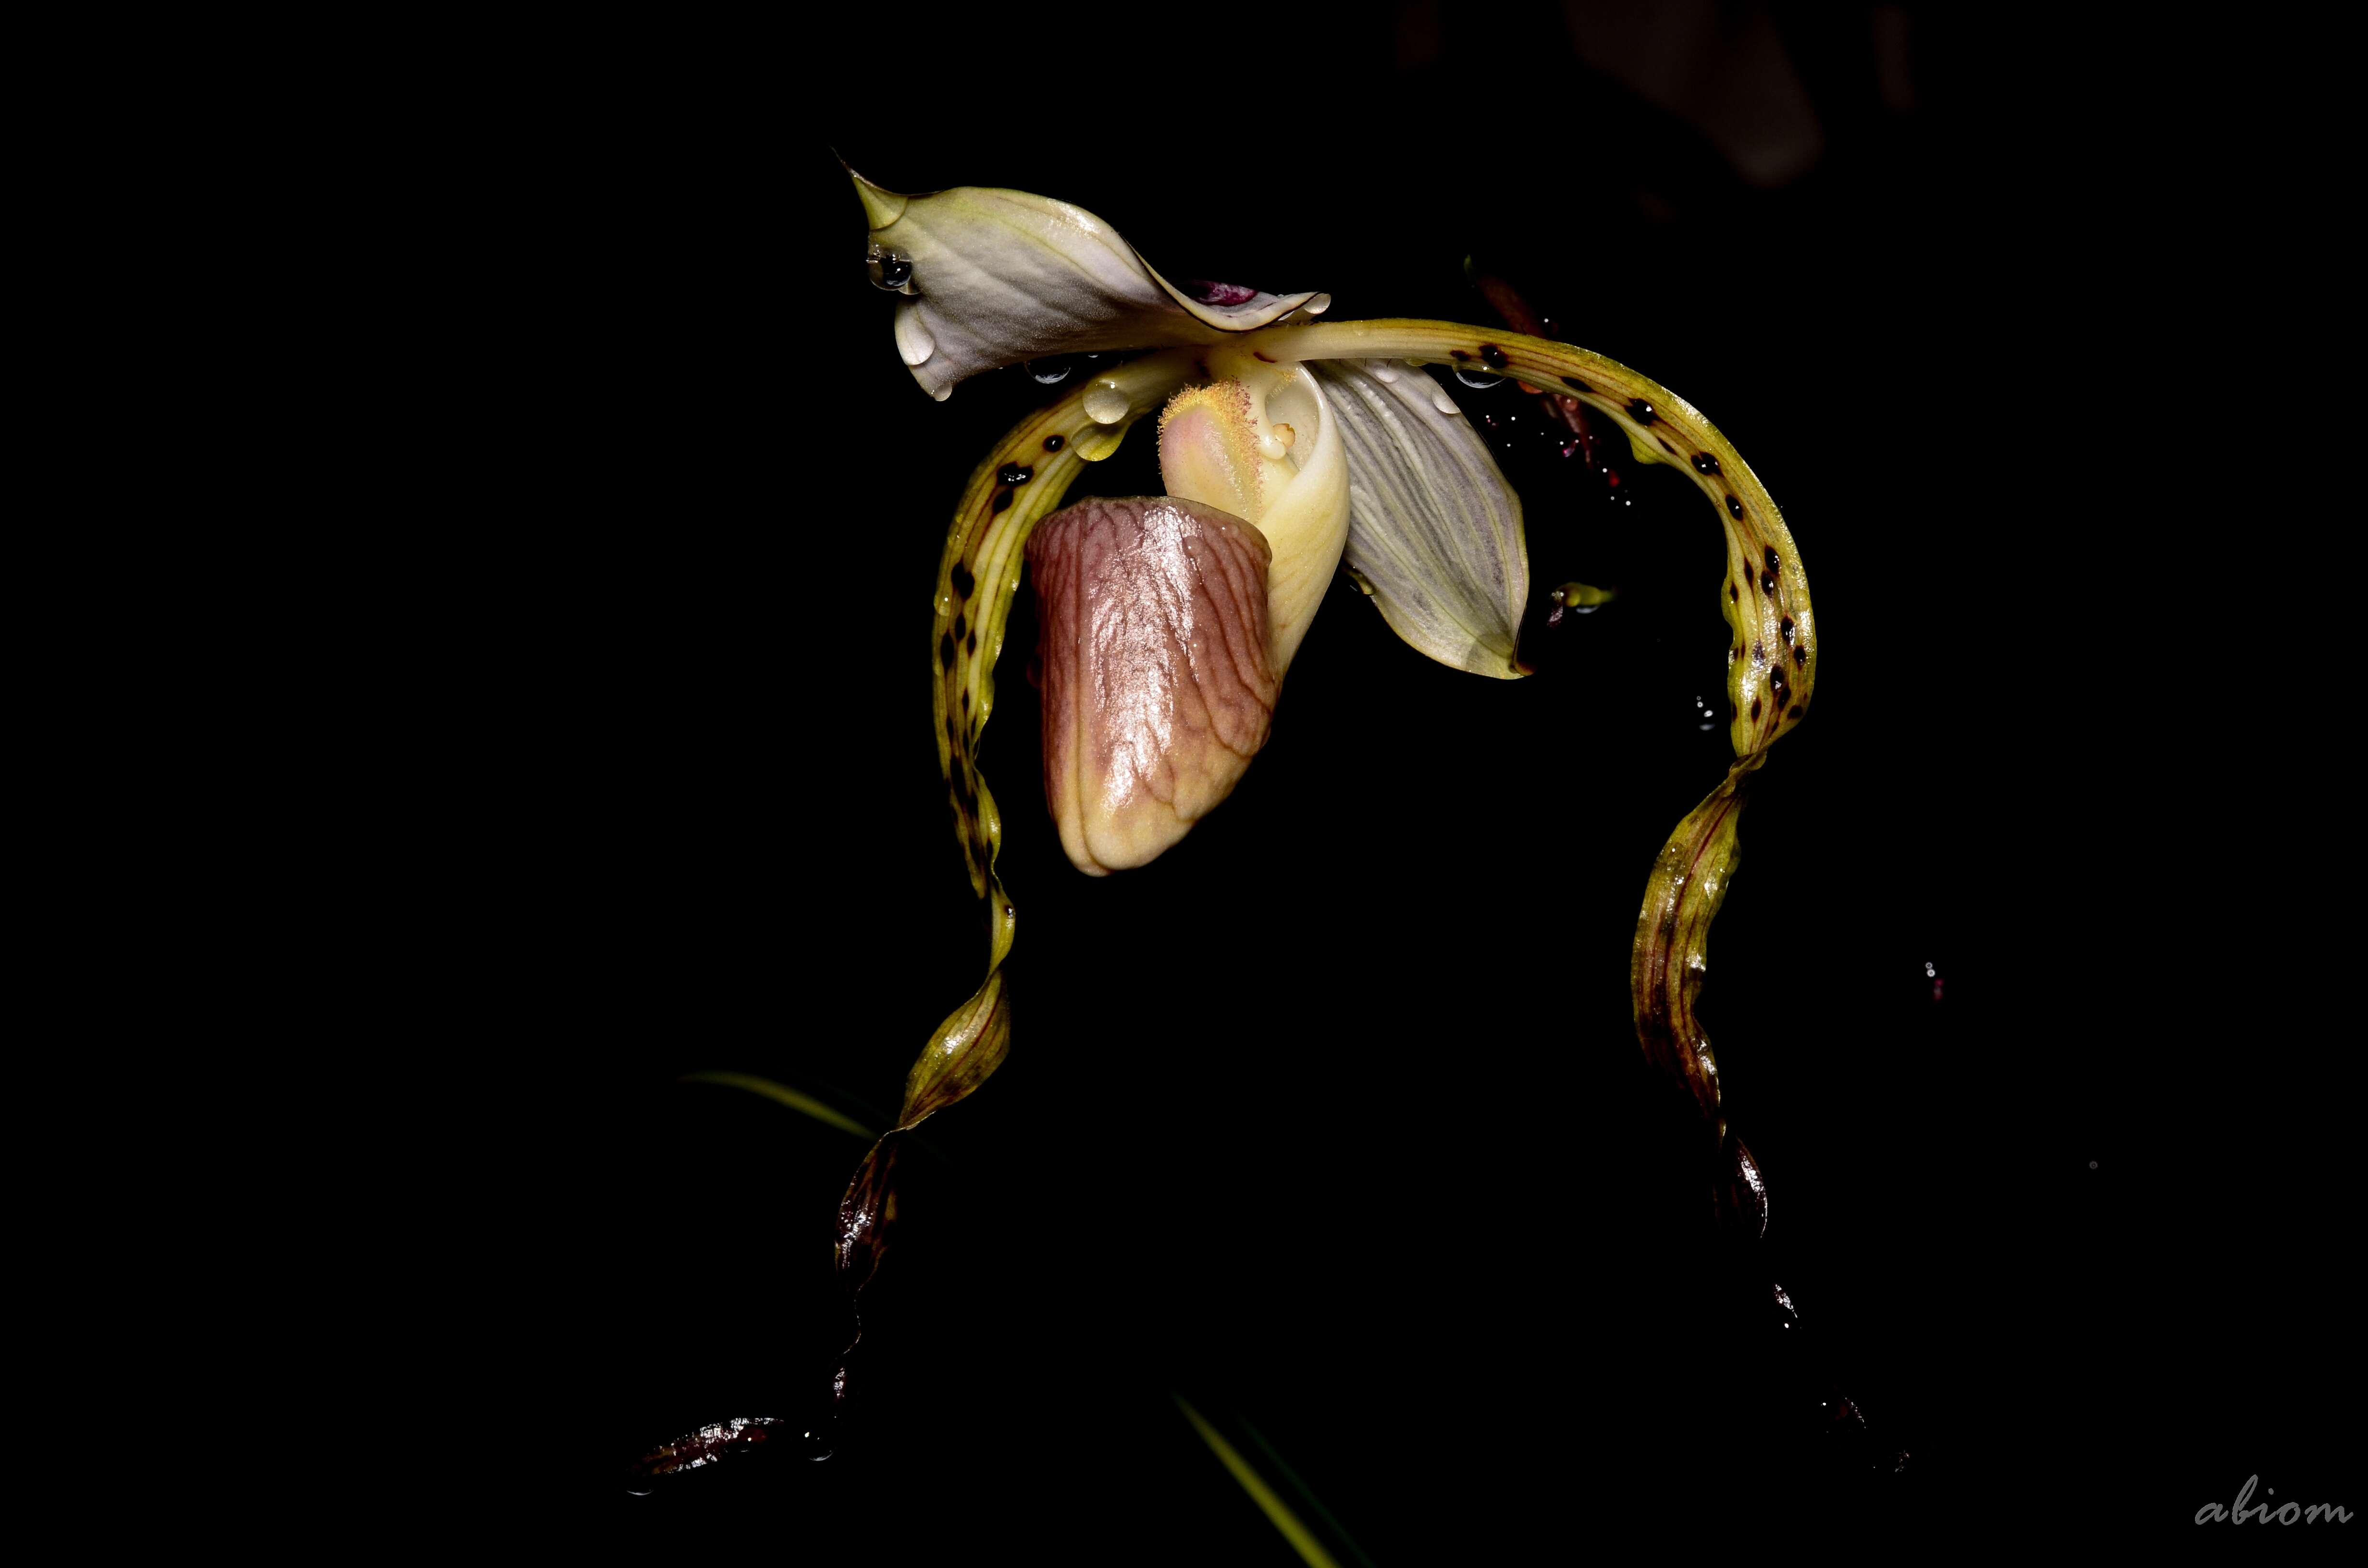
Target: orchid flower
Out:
[1289,446]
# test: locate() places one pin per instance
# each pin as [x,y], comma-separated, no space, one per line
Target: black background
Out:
[1333,1120]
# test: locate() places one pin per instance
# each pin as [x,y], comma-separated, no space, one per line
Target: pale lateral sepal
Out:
[1434,531]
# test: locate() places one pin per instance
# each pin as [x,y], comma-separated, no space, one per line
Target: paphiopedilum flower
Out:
[1290,446]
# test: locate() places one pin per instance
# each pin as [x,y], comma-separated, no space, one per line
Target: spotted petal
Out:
[1434,531]
[991,278]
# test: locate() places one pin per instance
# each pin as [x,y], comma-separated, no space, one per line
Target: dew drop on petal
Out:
[912,340]
[1051,372]
[1384,374]
[1105,405]
[1480,381]
[1318,305]
[1441,402]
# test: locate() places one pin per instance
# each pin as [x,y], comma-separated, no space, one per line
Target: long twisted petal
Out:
[1021,483]
[1771,666]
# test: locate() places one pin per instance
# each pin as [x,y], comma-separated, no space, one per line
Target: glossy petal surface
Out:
[1158,685]
[991,278]
[1434,531]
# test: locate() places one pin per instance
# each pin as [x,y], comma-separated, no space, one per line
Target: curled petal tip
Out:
[882,205]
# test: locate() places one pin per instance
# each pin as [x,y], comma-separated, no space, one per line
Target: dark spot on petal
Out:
[965,699]
[962,581]
[1640,411]
[1768,582]
[1774,562]
[1705,463]
[946,650]
[971,645]
[1731,594]
[1002,501]
[1460,357]
[1758,654]
[1755,707]
[1785,625]
[1801,656]
[1012,474]
[961,626]
[1053,443]
[1493,356]
[1796,711]
[1734,507]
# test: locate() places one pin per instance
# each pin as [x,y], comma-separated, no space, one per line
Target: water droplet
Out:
[1051,372]
[888,270]
[1285,434]
[1272,448]
[945,604]
[1105,405]
[1384,374]
[912,340]
[1318,305]
[1479,381]
[1441,402]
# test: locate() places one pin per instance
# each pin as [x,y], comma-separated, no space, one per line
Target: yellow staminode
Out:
[1210,450]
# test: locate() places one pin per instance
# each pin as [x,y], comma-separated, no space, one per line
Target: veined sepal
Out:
[990,277]
[1434,531]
